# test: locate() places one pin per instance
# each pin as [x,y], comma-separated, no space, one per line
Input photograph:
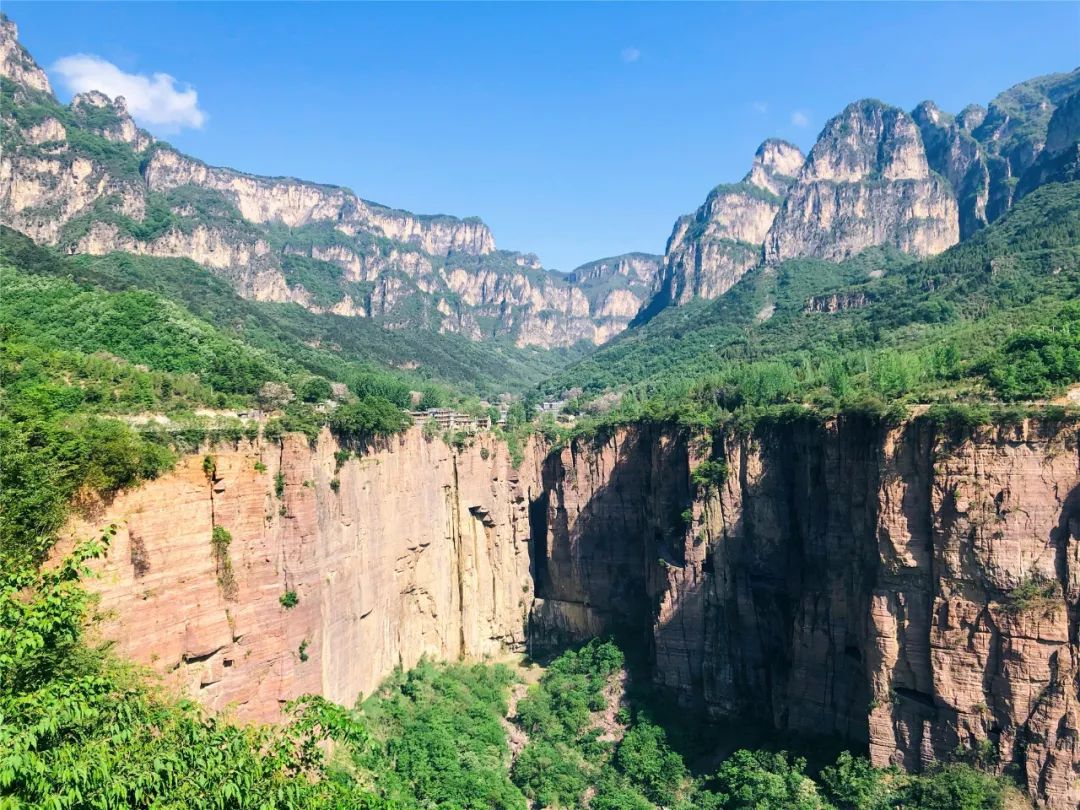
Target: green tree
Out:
[763,780]
[315,389]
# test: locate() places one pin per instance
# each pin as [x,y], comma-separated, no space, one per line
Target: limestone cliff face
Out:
[416,550]
[841,579]
[710,250]
[295,203]
[1014,129]
[114,188]
[776,164]
[984,152]
[16,63]
[1059,162]
[115,125]
[953,152]
[246,261]
[617,288]
[866,182]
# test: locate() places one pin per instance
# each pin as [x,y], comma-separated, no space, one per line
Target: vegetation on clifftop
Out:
[81,362]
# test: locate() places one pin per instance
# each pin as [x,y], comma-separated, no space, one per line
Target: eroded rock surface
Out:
[711,249]
[866,182]
[875,584]
[909,590]
[115,188]
[415,550]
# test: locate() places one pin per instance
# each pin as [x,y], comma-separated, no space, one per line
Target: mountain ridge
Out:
[86,178]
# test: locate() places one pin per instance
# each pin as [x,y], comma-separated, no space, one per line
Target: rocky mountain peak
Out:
[16,63]
[927,112]
[109,118]
[868,140]
[971,117]
[711,249]
[776,163]
[866,182]
[95,98]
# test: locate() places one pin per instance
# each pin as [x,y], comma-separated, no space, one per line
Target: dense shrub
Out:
[368,419]
[317,389]
[79,729]
[438,739]
[765,781]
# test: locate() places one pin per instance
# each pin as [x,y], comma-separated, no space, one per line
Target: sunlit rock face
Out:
[617,288]
[866,182]
[404,270]
[415,550]
[711,249]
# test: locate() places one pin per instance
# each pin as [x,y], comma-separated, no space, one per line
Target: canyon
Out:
[912,590]
[911,587]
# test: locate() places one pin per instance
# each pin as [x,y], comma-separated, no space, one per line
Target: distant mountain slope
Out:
[992,318]
[876,176]
[617,288]
[290,341]
[85,178]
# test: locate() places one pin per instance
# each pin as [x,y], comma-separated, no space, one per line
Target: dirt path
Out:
[515,735]
[527,676]
[611,730]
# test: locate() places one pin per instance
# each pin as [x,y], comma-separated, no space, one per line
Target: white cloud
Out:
[630,55]
[800,118]
[760,107]
[154,101]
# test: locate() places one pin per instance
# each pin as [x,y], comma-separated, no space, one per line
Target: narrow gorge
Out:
[907,589]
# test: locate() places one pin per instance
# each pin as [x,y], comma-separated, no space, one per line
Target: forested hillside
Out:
[992,319]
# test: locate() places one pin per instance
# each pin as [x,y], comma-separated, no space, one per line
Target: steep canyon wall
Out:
[911,591]
[897,587]
[409,550]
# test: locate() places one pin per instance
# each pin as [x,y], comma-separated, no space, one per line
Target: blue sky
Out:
[574,131]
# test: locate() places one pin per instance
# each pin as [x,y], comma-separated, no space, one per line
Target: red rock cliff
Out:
[841,578]
[417,550]
[908,590]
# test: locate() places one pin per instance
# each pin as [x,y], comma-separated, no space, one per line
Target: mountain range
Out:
[85,178]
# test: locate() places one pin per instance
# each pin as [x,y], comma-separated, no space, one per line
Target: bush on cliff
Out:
[367,419]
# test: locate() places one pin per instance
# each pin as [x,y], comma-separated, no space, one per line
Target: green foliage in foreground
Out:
[53,444]
[78,729]
[368,419]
